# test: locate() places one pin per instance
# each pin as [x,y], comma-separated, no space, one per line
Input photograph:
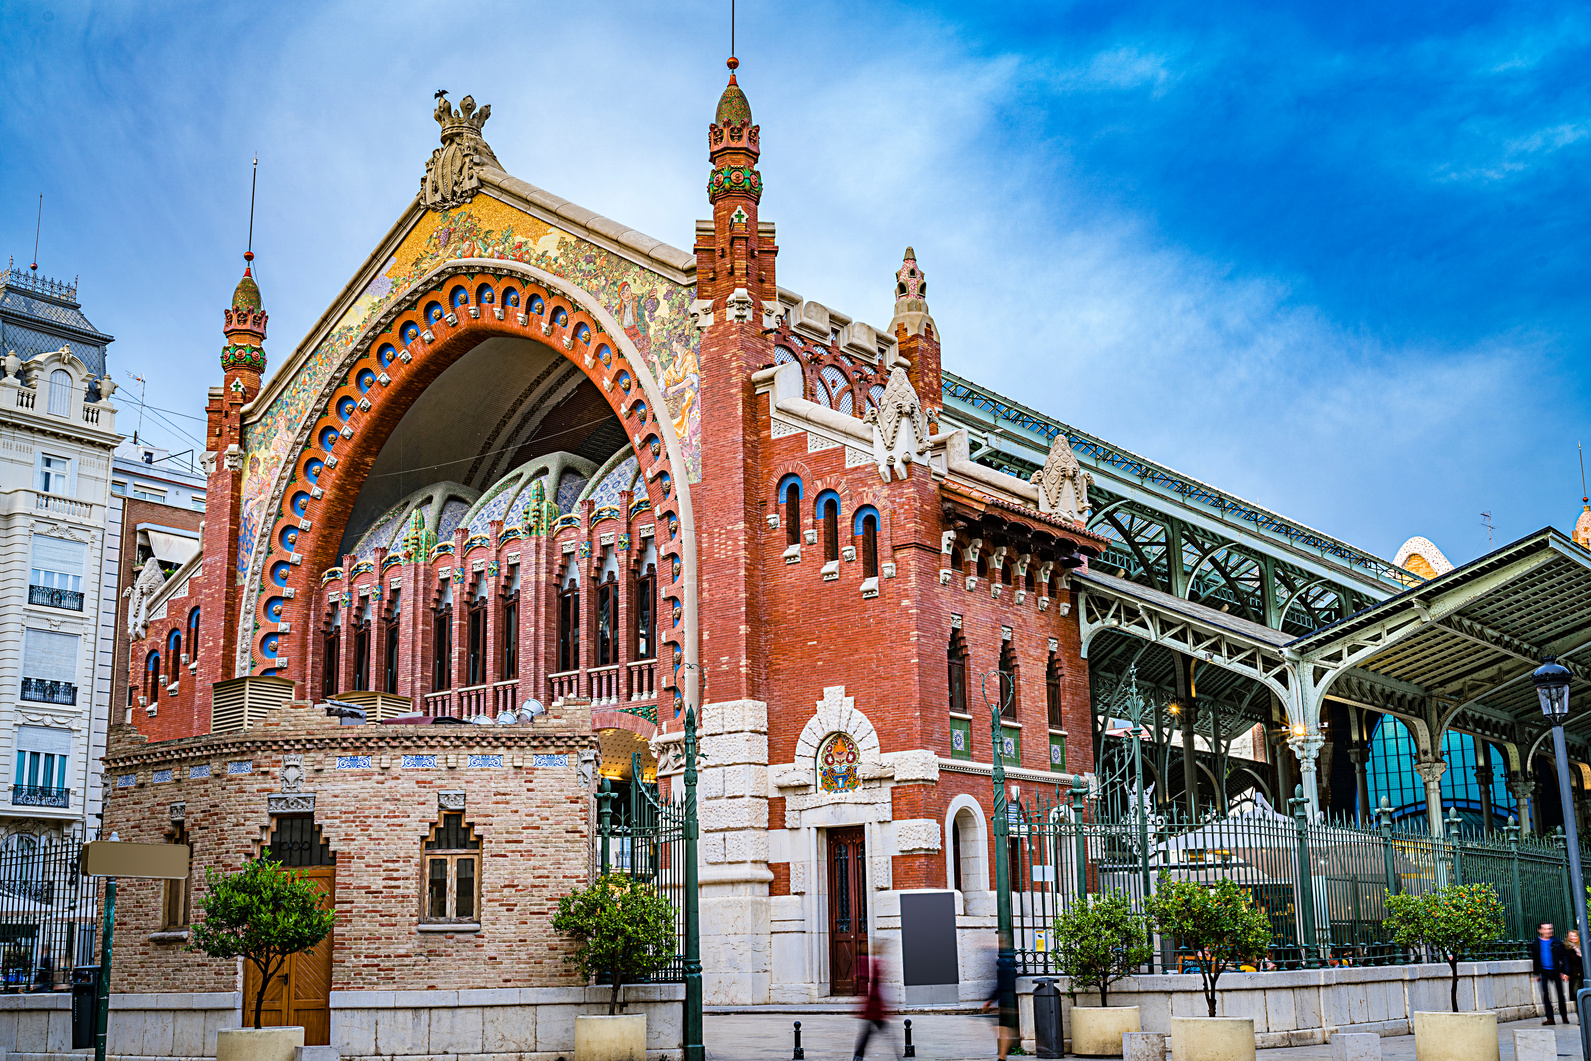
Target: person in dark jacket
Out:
[1549,962]
[872,1010]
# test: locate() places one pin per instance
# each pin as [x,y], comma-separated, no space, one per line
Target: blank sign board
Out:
[122,858]
[929,967]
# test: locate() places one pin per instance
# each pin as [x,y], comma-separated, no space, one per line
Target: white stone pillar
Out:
[1306,749]
[1431,773]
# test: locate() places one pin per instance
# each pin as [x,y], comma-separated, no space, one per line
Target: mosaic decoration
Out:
[353,762]
[837,764]
[162,776]
[240,768]
[958,740]
[652,310]
[419,762]
[486,761]
[621,478]
[543,761]
[569,489]
[197,772]
[126,780]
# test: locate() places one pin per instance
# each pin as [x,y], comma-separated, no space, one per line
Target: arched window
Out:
[866,527]
[1030,580]
[174,654]
[827,513]
[152,678]
[956,657]
[1005,569]
[983,563]
[1008,673]
[193,635]
[607,620]
[60,393]
[790,498]
[391,683]
[569,620]
[646,614]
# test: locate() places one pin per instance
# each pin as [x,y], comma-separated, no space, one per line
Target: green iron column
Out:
[1394,886]
[1306,888]
[1006,963]
[1079,796]
[1517,913]
[694,1048]
[605,797]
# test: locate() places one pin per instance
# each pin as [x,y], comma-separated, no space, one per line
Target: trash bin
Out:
[85,1005]
[1047,1019]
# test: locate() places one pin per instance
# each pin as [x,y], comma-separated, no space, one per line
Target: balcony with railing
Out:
[40,796]
[643,680]
[50,597]
[474,700]
[602,685]
[59,505]
[49,691]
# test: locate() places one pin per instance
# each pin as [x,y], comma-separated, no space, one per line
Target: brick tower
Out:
[735,255]
[242,364]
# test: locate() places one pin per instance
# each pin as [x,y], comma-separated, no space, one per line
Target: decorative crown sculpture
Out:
[451,176]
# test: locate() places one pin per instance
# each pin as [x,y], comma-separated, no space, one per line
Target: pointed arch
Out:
[408,348]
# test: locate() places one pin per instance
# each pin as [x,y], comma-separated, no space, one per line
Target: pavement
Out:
[964,1036]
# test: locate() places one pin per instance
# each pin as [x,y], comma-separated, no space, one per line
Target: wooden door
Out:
[847,908]
[301,992]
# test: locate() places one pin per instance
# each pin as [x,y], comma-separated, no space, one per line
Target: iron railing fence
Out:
[49,914]
[647,843]
[1323,886]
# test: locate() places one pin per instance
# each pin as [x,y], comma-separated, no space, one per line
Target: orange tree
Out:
[1450,921]
[1214,921]
[621,928]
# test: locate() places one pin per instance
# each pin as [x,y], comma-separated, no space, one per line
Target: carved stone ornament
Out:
[150,579]
[452,175]
[292,773]
[899,426]
[1063,483]
[450,799]
[179,812]
[290,803]
[587,767]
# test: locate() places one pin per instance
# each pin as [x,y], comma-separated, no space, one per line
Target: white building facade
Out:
[59,543]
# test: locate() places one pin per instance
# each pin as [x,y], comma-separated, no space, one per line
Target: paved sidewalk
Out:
[969,1037]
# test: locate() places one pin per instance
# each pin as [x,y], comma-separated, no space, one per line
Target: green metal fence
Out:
[1323,885]
[647,844]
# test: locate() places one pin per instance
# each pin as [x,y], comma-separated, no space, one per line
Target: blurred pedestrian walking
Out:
[872,1010]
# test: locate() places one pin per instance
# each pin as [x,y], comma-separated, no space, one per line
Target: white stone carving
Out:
[837,713]
[292,773]
[738,307]
[702,311]
[1063,483]
[915,836]
[452,174]
[450,799]
[947,542]
[587,768]
[150,579]
[290,803]
[899,426]
[919,764]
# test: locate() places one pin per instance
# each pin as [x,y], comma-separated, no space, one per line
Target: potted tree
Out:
[1450,921]
[622,930]
[263,914]
[1099,940]
[1221,929]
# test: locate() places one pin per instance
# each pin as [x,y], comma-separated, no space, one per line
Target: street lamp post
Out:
[1005,962]
[1552,688]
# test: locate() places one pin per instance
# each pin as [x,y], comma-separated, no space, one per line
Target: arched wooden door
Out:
[300,993]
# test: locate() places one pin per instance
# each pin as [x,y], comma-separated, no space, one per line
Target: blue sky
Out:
[1332,258]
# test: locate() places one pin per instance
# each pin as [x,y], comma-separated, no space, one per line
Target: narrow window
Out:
[869,546]
[1028,582]
[178,893]
[60,393]
[173,655]
[193,635]
[393,613]
[983,564]
[645,614]
[442,649]
[956,657]
[452,885]
[56,573]
[569,627]
[362,655]
[54,474]
[1008,671]
[831,529]
[152,678]
[792,512]
[1005,571]
[331,656]
[1052,691]
[477,643]
[511,638]
[607,604]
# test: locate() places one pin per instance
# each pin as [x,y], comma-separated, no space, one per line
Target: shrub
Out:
[1214,921]
[263,913]
[1450,921]
[621,927]
[1099,940]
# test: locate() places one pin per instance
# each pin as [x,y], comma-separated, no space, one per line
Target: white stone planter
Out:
[617,1038]
[1455,1036]
[1212,1039]
[257,1044]
[1097,1030]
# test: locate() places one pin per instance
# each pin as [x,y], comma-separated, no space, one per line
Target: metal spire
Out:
[37,224]
[254,183]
